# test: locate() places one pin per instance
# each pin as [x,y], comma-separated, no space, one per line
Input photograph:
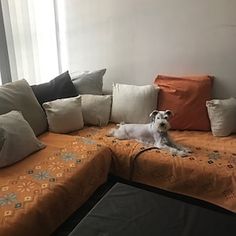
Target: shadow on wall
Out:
[220,90]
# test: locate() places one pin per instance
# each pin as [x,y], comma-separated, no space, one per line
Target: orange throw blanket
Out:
[209,173]
[40,192]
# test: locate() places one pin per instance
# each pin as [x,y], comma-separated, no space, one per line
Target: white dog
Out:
[154,133]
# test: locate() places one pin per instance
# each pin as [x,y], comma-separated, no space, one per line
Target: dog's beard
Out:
[163,128]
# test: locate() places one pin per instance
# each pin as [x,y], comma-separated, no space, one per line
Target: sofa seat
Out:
[123,151]
[40,192]
[207,174]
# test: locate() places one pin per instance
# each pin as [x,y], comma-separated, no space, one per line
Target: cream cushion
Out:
[64,115]
[17,138]
[96,109]
[132,103]
[222,114]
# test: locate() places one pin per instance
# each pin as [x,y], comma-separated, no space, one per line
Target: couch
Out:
[40,191]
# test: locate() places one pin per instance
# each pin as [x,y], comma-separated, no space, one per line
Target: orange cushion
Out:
[186,97]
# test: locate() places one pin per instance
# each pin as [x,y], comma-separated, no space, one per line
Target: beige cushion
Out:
[19,96]
[64,115]
[17,139]
[133,104]
[222,114]
[96,109]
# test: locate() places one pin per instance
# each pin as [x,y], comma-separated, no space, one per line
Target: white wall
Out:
[137,39]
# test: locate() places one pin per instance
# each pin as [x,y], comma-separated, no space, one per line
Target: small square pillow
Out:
[96,109]
[222,114]
[133,104]
[186,97]
[64,115]
[17,139]
[59,87]
[89,82]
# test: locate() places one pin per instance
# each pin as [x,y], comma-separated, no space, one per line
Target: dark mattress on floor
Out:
[128,210]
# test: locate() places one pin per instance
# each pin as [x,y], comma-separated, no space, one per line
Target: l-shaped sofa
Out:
[39,192]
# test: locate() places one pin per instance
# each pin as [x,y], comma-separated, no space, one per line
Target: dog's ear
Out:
[169,113]
[153,114]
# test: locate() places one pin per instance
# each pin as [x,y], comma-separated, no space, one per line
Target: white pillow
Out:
[133,104]
[64,115]
[222,114]
[17,139]
[96,109]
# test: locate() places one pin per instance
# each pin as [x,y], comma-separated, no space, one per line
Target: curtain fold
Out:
[31,39]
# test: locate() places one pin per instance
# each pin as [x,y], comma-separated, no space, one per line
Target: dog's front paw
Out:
[183,153]
[187,150]
[173,152]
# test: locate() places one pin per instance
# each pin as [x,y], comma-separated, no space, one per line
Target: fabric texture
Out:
[133,104]
[59,87]
[19,96]
[49,185]
[88,82]
[186,97]
[64,115]
[17,139]
[126,210]
[207,174]
[96,109]
[222,114]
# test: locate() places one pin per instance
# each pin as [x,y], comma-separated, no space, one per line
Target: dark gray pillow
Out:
[89,82]
[19,96]
[59,87]
[17,139]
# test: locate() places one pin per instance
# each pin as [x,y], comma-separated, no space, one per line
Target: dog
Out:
[154,133]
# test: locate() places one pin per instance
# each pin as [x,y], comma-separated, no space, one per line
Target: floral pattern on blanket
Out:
[33,182]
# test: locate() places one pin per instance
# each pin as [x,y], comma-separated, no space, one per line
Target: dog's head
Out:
[160,120]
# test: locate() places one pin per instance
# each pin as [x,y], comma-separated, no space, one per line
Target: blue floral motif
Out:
[41,175]
[68,156]
[8,199]
[88,141]
[214,156]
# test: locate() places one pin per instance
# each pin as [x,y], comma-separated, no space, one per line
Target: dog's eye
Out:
[166,117]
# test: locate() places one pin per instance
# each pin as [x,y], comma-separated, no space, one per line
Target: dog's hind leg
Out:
[111,133]
[119,133]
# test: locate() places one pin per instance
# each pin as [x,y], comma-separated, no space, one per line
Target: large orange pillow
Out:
[186,97]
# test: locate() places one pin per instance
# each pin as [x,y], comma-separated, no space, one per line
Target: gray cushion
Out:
[96,109]
[89,82]
[17,139]
[19,96]
[64,115]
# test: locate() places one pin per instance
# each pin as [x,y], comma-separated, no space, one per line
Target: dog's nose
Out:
[162,124]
